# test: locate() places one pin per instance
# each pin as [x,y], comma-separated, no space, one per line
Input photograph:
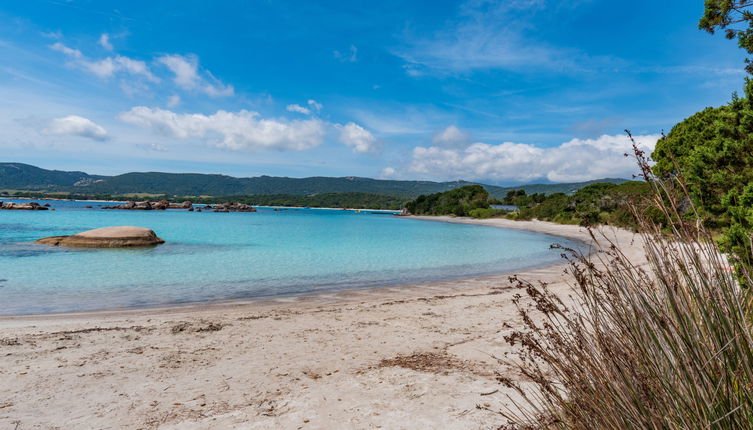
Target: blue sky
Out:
[496,91]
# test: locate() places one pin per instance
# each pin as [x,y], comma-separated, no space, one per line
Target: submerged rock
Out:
[107,237]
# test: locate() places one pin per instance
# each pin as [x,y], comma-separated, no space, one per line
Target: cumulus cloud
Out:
[188,76]
[73,125]
[357,137]
[451,137]
[299,109]
[576,160]
[108,66]
[313,104]
[388,172]
[104,40]
[241,131]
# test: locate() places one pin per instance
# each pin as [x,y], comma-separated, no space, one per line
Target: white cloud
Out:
[74,125]
[576,160]
[242,130]
[451,137]
[357,137]
[313,104]
[104,40]
[75,53]
[187,75]
[108,66]
[299,109]
[173,101]
[388,172]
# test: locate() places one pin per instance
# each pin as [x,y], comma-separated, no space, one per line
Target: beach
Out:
[415,356]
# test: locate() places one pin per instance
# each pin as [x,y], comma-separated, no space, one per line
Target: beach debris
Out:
[31,206]
[9,341]
[429,362]
[201,327]
[311,374]
[107,237]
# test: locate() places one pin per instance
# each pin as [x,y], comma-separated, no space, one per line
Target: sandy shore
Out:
[415,356]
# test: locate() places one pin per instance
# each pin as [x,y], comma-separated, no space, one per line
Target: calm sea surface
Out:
[220,256]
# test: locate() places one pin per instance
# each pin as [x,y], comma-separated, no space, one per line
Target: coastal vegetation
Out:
[665,344]
[711,153]
[599,203]
[465,201]
[595,204]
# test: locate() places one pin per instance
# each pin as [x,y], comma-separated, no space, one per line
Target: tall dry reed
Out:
[666,343]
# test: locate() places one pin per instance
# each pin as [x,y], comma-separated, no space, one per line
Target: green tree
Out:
[735,18]
[711,152]
[460,202]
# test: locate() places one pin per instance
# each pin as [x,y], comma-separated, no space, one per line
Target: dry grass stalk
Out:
[667,345]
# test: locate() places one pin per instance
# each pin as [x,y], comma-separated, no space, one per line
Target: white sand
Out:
[314,362]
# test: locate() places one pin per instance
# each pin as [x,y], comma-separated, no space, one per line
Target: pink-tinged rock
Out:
[107,237]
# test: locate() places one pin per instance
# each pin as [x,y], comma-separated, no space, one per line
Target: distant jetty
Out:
[107,237]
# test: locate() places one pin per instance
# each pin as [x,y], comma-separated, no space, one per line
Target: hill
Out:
[24,177]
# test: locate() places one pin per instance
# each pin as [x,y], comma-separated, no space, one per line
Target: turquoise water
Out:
[221,256]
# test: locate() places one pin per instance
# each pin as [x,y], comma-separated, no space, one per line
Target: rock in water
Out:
[108,237]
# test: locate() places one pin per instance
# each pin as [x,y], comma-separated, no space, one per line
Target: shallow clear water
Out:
[219,256]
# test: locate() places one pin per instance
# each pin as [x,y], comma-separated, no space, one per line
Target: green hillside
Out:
[19,176]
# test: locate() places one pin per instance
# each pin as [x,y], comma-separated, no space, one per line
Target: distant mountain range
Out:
[24,177]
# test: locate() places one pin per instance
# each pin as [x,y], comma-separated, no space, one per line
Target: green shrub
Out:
[485,212]
[460,202]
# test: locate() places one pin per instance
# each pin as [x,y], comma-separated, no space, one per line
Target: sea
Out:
[213,257]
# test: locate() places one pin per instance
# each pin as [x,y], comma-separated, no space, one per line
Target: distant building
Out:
[505,207]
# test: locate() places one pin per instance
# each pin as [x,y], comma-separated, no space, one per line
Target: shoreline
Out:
[571,232]
[418,356]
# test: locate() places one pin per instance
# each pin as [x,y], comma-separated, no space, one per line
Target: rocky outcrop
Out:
[164,204]
[31,206]
[149,206]
[234,207]
[107,237]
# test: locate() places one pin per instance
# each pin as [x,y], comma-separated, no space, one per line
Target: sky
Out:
[501,92]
